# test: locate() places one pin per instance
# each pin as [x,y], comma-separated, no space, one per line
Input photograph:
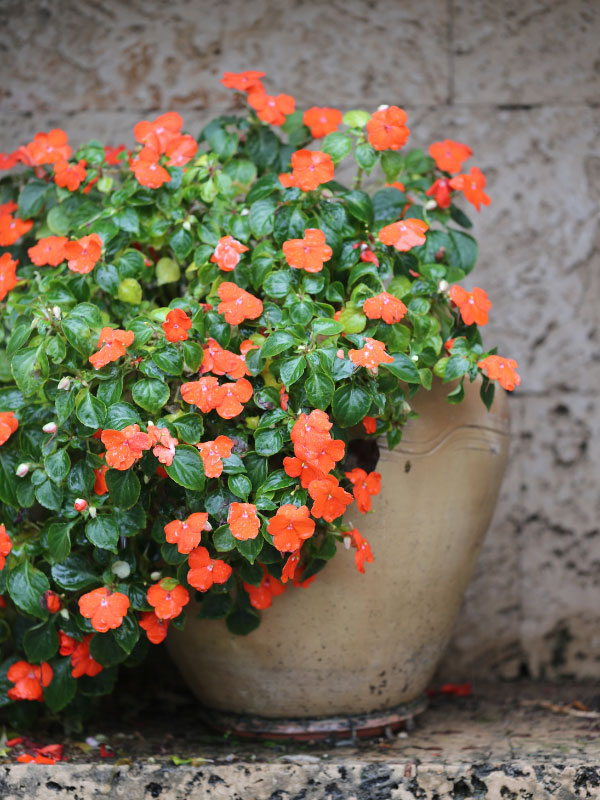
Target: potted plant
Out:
[206,348]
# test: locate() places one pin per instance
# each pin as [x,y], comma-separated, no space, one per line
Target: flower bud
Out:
[50,427]
[207,526]
[414,358]
[64,383]
[155,576]
[64,612]
[347,542]
[121,569]
[51,601]
[443,286]
[430,205]
[80,504]
[244,212]
[22,470]
[57,312]
[93,511]
[383,107]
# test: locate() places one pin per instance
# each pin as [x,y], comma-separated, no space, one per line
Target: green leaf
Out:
[268,442]
[32,198]
[352,318]
[127,634]
[59,541]
[262,217]
[351,403]
[57,465]
[456,367]
[103,532]
[239,485]
[250,548]
[356,118]
[326,327]
[388,204]
[291,369]
[193,355]
[89,410]
[187,468]
[224,540]
[120,415]
[337,145]
[8,480]
[277,284]
[167,271]
[182,243]
[26,586]
[19,335]
[41,642]
[214,605]
[30,369]
[65,405]
[366,156]
[242,621]
[49,495]
[404,368]
[277,343]
[57,220]
[319,389]
[189,427]
[131,264]
[63,686]
[359,204]
[276,480]
[486,392]
[105,649]
[392,163]
[263,147]
[74,574]
[79,335]
[123,487]
[263,187]
[169,360]
[110,391]
[150,394]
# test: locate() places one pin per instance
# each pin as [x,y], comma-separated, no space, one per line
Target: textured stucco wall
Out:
[518,80]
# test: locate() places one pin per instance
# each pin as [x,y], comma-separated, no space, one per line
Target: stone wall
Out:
[515,79]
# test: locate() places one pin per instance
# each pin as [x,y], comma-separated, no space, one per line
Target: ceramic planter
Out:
[355,652]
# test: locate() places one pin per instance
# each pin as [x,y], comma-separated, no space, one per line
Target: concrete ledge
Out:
[504,742]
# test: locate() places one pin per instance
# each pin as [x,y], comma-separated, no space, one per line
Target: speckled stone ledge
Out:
[505,742]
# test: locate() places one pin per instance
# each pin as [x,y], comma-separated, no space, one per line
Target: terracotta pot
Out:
[357,651]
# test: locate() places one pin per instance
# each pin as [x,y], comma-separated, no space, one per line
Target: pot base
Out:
[375,723]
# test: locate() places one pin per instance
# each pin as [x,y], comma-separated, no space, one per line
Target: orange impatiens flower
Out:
[312,430]
[472,186]
[212,454]
[290,526]
[322,121]
[228,253]
[473,306]
[243,81]
[440,191]
[370,424]
[387,129]
[124,448]
[202,393]
[5,546]
[330,500]
[270,109]
[162,130]
[186,534]
[112,343]
[261,597]
[48,148]
[405,234]
[51,601]
[181,150]
[230,396]
[296,468]
[111,154]
[363,549]
[8,425]
[309,253]
[243,522]
[82,662]
[386,307]
[313,444]
[238,305]
[289,568]
[287,180]
[8,274]
[164,444]
[205,571]
[449,155]
[365,486]
[501,369]
[148,171]
[168,598]
[155,627]
[104,609]
[311,168]
[177,325]
[371,355]
[100,486]
[69,176]
[223,362]
[11,229]
[29,680]
[49,251]
[84,254]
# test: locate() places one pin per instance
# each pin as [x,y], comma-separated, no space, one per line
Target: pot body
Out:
[355,644]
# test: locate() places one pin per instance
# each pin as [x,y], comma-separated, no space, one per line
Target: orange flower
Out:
[202,393]
[213,452]
[29,680]
[397,185]
[9,160]
[238,305]
[387,129]
[8,274]
[168,601]
[290,526]
[330,500]
[386,307]
[270,109]
[243,522]
[155,627]
[223,362]
[289,568]
[112,343]
[261,597]
[370,424]
[186,534]
[296,468]
[287,180]
[440,191]
[243,81]
[371,355]
[284,399]
[365,486]
[164,444]
[308,253]
[148,171]
[227,253]
[100,486]
[5,546]
[12,229]
[111,154]
[502,370]
[104,609]
[69,176]
[449,155]
[27,758]
[472,186]
[312,430]
[48,148]
[230,396]
[363,549]
[473,306]
[181,150]
[448,345]
[322,121]
[81,660]
[405,234]
[205,571]
[8,425]
[177,325]
[51,601]
[165,128]
[311,168]
[84,254]
[124,448]
[323,457]
[49,251]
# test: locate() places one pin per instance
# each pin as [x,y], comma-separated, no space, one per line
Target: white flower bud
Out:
[64,612]
[430,205]
[93,511]
[57,312]
[155,576]
[383,107]
[121,569]
[50,427]
[443,286]
[186,225]
[64,383]
[244,212]
[207,526]
[347,542]
[22,470]
[414,358]
[326,193]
